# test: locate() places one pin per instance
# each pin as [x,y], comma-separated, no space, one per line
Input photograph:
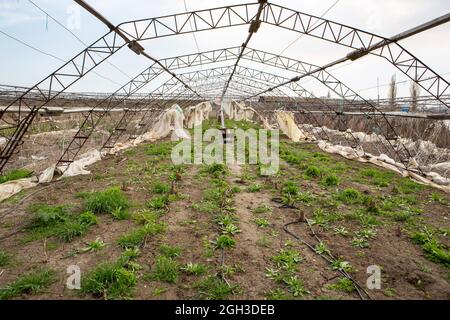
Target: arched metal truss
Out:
[243,83]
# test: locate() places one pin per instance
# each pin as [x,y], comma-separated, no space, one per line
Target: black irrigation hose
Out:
[330,258]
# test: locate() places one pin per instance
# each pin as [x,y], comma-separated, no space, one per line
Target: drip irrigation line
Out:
[330,258]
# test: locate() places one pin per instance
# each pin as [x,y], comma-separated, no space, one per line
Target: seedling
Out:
[194,268]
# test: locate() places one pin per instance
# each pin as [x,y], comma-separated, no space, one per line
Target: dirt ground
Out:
[406,270]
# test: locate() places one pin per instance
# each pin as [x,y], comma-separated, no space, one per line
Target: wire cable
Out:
[51,55]
[76,37]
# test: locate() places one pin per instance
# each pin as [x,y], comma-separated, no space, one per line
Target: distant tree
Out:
[329,94]
[415,92]
[392,94]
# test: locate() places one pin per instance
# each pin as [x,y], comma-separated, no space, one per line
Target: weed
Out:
[437,197]
[120,214]
[95,245]
[136,238]
[290,188]
[214,288]
[15,175]
[161,188]
[360,242]
[166,269]
[313,172]
[110,281]
[378,178]
[224,241]
[194,268]
[261,222]
[262,209]
[435,251]
[321,248]
[390,292]
[330,180]
[88,218]
[108,201]
[341,230]
[287,259]
[31,283]
[343,285]
[215,170]
[276,294]
[159,291]
[406,186]
[349,196]
[158,203]
[5,258]
[295,285]
[231,229]
[255,187]
[169,251]
[340,264]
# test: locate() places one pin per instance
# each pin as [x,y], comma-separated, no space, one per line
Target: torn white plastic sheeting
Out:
[47,175]
[79,166]
[288,126]
[197,114]
[433,179]
[238,111]
[8,189]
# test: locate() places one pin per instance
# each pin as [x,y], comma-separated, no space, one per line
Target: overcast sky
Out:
[23,66]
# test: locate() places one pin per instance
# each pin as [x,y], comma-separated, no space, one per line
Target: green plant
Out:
[434,250]
[31,283]
[330,180]
[15,175]
[110,281]
[406,186]
[120,214]
[312,172]
[276,294]
[341,230]
[159,291]
[390,292]
[161,188]
[255,187]
[169,251]
[88,218]
[166,269]
[224,241]
[339,264]
[261,222]
[215,169]
[5,258]
[290,188]
[136,238]
[159,202]
[95,245]
[360,242]
[321,248]
[262,209]
[194,268]
[287,259]
[349,196]
[295,285]
[69,230]
[231,229]
[344,285]
[214,288]
[108,201]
